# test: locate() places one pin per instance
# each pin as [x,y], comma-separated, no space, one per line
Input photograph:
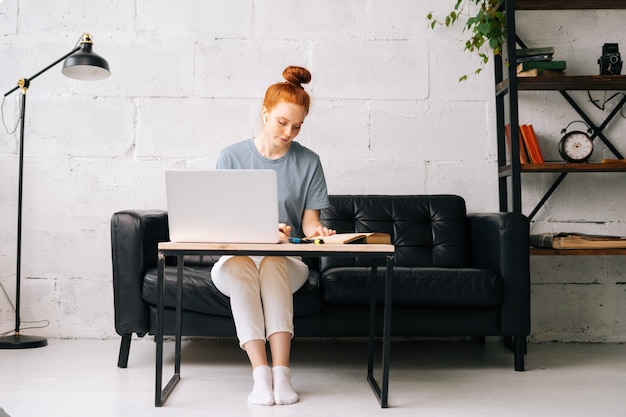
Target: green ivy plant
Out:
[486,25]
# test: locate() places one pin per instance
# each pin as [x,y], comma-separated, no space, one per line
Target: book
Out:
[542,50]
[576,241]
[535,144]
[370,238]
[524,139]
[533,58]
[523,155]
[537,72]
[532,144]
[545,65]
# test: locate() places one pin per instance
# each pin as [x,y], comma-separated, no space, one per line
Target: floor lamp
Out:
[81,64]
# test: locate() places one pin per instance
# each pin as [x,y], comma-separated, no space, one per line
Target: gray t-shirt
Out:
[301,182]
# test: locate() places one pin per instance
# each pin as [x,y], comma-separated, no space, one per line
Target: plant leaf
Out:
[487,27]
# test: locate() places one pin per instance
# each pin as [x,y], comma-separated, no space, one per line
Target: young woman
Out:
[261,288]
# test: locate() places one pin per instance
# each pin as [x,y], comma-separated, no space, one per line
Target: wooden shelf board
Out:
[568,5]
[573,82]
[563,167]
[584,167]
[576,252]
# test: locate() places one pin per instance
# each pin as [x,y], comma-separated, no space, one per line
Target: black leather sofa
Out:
[455,274]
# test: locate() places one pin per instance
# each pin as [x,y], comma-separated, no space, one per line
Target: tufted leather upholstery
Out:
[455,274]
[427,231]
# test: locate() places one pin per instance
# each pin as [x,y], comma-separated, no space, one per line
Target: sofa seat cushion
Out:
[201,295]
[418,287]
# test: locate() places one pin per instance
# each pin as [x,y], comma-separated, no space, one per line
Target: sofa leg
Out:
[122,360]
[519,352]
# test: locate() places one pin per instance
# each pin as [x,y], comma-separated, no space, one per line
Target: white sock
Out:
[283,392]
[262,391]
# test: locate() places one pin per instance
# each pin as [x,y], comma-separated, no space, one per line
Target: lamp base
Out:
[20,341]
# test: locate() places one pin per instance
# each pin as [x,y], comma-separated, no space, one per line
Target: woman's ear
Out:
[264,114]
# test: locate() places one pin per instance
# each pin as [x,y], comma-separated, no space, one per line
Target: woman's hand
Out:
[312,226]
[284,231]
[323,231]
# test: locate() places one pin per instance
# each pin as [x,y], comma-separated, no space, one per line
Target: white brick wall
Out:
[388,116]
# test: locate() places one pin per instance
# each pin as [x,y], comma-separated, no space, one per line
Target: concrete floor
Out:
[80,378]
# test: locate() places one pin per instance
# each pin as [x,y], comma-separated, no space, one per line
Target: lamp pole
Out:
[21,340]
[81,68]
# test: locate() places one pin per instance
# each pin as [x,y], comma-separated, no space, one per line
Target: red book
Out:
[532,145]
[535,142]
[523,157]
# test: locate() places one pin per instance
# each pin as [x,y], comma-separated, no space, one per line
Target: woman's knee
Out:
[239,263]
[278,263]
[241,268]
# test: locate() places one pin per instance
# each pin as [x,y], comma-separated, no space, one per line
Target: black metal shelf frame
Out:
[507,88]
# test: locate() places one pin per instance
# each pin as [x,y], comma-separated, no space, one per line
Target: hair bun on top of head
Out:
[289,91]
[297,75]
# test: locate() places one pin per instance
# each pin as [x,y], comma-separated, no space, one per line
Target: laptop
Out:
[222,206]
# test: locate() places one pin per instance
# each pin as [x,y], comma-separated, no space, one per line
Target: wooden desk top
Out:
[291,248]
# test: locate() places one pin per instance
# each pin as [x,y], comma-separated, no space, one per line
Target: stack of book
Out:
[538,62]
[576,241]
[529,149]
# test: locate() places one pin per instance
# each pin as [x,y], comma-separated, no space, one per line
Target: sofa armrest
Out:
[135,235]
[499,242]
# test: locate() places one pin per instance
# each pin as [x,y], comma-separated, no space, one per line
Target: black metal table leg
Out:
[382,393]
[371,340]
[387,329]
[179,313]
[161,394]
[158,401]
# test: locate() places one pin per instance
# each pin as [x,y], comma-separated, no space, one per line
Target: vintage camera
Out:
[610,61]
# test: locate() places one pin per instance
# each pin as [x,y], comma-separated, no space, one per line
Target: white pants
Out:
[260,290]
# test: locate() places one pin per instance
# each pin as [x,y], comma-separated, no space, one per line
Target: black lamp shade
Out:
[86,65]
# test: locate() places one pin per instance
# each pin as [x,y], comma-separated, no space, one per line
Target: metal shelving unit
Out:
[507,87]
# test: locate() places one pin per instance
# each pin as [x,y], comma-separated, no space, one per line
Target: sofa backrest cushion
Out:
[427,230]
